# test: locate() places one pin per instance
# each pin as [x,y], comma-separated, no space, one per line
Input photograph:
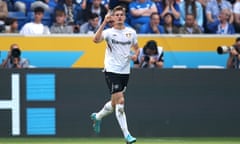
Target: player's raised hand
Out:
[107,17]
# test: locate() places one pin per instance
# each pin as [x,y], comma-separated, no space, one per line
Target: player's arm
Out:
[136,52]
[4,63]
[233,53]
[159,62]
[98,37]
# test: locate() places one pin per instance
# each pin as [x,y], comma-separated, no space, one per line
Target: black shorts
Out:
[116,82]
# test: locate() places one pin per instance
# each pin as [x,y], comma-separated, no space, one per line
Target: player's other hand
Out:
[134,57]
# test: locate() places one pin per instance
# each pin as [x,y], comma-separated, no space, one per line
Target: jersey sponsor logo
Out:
[121,42]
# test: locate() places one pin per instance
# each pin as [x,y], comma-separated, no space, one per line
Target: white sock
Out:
[106,110]
[121,117]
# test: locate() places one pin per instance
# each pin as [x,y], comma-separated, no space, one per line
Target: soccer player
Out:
[120,40]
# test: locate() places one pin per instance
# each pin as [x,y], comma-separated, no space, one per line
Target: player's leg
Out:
[106,110]
[118,100]
[97,117]
[108,107]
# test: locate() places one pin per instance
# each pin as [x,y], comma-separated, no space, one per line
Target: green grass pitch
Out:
[90,140]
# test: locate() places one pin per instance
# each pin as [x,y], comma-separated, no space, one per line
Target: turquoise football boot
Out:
[96,123]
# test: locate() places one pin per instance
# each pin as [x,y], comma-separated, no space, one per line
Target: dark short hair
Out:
[168,13]
[152,45]
[38,9]
[154,13]
[9,20]
[93,16]
[237,39]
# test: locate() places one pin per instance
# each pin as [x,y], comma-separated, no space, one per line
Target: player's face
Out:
[119,17]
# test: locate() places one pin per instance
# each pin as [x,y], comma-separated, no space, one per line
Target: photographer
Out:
[233,61]
[150,56]
[14,59]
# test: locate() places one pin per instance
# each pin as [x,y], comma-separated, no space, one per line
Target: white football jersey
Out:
[117,54]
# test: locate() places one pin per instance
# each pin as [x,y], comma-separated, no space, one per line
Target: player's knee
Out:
[118,98]
[121,100]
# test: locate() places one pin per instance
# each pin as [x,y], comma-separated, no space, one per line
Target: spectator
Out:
[105,3]
[2,26]
[9,5]
[91,26]
[153,26]
[22,5]
[14,59]
[213,9]
[11,25]
[193,7]
[94,7]
[81,3]
[190,27]
[3,10]
[169,27]
[204,5]
[140,11]
[60,25]
[168,6]
[71,10]
[3,15]
[35,27]
[29,5]
[123,3]
[150,56]
[236,12]
[233,61]
[47,5]
[222,25]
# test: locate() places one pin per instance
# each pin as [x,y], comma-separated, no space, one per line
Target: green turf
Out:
[161,140]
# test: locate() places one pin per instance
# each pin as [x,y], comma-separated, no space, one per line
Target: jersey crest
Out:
[128,35]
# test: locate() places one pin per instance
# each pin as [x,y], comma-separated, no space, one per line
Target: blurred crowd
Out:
[145,16]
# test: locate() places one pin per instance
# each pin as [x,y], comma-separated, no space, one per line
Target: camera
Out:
[224,49]
[146,58]
[15,52]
